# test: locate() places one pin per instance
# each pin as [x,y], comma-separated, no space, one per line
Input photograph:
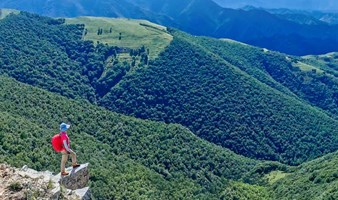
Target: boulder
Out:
[77,179]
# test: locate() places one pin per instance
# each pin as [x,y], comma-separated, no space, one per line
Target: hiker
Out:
[66,149]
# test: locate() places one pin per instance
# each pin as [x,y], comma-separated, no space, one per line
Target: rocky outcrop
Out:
[84,193]
[26,183]
[77,179]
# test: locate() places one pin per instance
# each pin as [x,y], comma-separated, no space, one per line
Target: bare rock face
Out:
[77,179]
[26,183]
[84,193]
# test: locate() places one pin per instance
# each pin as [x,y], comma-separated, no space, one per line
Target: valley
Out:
[163,114]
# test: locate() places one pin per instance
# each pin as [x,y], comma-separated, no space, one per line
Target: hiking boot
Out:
[76,165]
[64,173]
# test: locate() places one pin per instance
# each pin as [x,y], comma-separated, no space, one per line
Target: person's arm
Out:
[67,147]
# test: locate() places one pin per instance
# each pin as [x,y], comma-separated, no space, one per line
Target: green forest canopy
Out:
[140,158]
[171,154]
[243,110]
[192,86]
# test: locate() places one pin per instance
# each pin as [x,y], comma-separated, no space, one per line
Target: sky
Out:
[291,4]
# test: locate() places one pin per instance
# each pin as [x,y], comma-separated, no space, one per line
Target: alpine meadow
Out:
[159,113]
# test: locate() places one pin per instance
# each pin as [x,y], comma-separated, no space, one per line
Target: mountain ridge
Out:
[311,5]
[193,17]
[179,109]
[302,16]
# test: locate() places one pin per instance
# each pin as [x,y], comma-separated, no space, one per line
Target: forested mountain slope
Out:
[327,62]
[129,157]
[42,52]
[317,179]
[126,33]
[227,93]
[314,81]
[252,100]
[143,159]
[192,86]
[56,58]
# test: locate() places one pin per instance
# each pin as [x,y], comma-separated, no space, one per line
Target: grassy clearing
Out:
[275,176]
[327,62]
[243,191]
[5,12]
[332,55]
[125,33]
[306,67]
[233,41]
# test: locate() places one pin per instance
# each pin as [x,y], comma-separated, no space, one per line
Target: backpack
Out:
[57,143]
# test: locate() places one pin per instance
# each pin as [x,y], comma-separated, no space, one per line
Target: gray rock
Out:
[56,192]
[84,193]
[70,192]
[78,178]
[24,168]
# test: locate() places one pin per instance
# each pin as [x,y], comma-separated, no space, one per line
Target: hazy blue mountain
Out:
[317,17]
[292,4]
[202,17]
[65,8]
[331,18]
[256,27]
[301,16]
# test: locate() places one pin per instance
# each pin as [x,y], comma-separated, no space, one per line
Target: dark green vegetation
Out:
[142,159]
[327,62]
[258,103]
[55,58]
[317,179]
[191,85]
[52,57]
[203,17]
[316,82]
[128,156]
[242,88]
[241,191]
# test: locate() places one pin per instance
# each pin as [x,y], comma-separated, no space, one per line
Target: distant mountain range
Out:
[202,17]
[325,5]
[302,16]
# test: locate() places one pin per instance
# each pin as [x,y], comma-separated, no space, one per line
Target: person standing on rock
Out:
[66,150]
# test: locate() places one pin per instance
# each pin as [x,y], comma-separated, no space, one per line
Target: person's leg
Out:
[64,161]
[73,159]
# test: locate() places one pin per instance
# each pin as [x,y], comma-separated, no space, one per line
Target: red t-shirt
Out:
[64,136]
